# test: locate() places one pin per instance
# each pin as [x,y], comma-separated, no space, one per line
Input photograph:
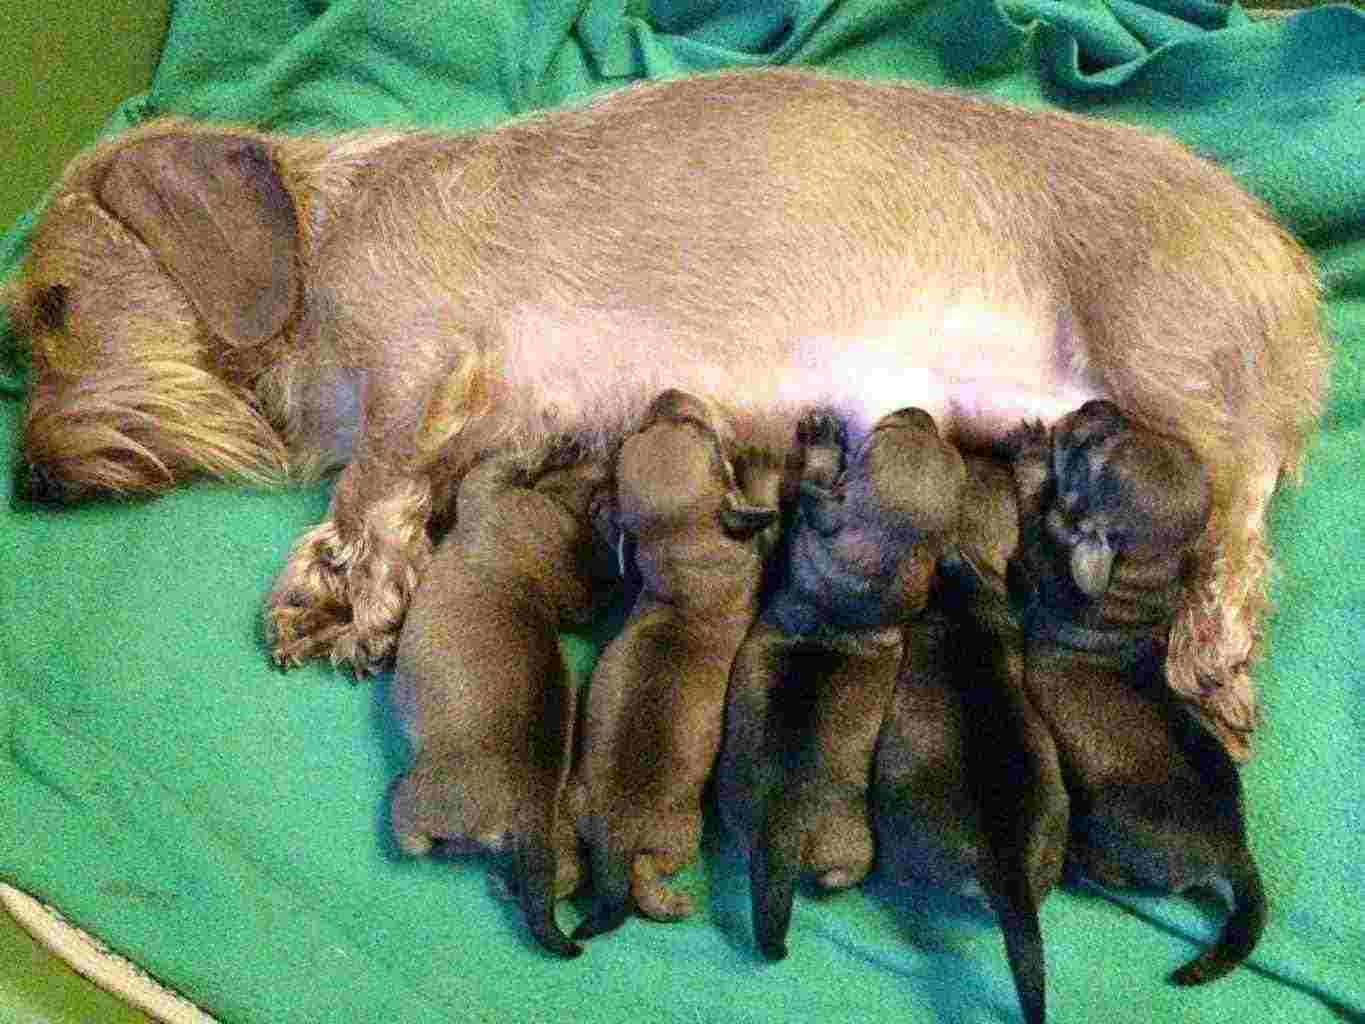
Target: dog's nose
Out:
[36,485]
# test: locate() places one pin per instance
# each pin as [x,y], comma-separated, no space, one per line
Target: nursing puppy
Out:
[811,683]
[652,720]
[481,686]
[967,790]
[203,300]
[1110,515]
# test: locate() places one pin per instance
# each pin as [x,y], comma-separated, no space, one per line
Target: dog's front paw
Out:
[309,608]
[1028,447]
[299,633]
[341,602]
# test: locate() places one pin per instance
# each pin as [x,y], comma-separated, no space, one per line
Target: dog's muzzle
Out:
[37,485]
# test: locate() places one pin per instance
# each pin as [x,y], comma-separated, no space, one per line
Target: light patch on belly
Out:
[978,371]
[977,368]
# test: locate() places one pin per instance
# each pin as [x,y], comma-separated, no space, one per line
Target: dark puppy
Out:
[1109,516]
[810,685]
[481,685]
[967,788]
[652,720]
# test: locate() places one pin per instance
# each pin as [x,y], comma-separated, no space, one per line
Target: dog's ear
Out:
[215,213]
[743,520]
[1092,562]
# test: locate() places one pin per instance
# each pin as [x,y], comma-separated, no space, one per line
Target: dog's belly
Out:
[978,369]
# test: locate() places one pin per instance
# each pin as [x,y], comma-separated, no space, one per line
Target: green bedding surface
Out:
[223,825]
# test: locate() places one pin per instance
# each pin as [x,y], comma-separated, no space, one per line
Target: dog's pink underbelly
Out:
[979,371]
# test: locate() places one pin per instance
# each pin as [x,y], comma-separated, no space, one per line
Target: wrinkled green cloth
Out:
[223,824]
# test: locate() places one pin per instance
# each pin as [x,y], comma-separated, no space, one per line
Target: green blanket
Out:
[222,824]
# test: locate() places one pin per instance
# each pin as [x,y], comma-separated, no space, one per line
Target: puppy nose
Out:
[37,485]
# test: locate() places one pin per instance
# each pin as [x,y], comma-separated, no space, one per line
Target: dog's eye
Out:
[49,308]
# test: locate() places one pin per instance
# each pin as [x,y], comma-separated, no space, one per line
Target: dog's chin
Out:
[139,432]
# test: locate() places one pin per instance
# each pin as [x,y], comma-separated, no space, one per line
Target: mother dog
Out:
[203,300]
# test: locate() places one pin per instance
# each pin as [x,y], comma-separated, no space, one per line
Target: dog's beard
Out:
[141,429]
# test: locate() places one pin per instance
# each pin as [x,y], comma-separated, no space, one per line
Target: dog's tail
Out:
[774,867]
[1240,933]
[1015,905]
[609,858]
[536,863]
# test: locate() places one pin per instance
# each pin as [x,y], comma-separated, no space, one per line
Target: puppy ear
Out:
[214,211]
[1092,560]
[742,520]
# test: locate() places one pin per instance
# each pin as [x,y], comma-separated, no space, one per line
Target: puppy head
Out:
[674,473]
[159,261]
[1121,492]
[875,538]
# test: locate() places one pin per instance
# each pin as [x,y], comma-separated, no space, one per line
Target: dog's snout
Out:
[35,484]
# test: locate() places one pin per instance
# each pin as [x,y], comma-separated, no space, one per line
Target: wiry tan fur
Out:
[770,239]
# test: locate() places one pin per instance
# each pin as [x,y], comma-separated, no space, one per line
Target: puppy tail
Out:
[1023,946]
[536,866]
[774,866]
[1240,934]
[609,860]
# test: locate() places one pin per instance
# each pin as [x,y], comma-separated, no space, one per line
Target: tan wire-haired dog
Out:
[201,300]
[701,529]
[480,683]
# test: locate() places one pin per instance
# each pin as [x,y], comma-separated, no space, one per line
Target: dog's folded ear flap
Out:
[213,210]
[742,520]
[1092,561]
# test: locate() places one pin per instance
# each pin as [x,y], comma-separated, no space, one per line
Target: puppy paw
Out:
[821,428]
[1028,447]
[661,904]
[1030,443]
[840,879]
[823,440]
[652,898]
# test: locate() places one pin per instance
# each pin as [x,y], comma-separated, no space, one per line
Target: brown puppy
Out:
[481,685]
[652,721]
[1110,515]
[967,788]
[811,683]
[203,300]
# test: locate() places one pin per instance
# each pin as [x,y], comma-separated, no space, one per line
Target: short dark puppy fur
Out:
[700,532]
[967,788]
[811,683]
[1109,516]
[481,685]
